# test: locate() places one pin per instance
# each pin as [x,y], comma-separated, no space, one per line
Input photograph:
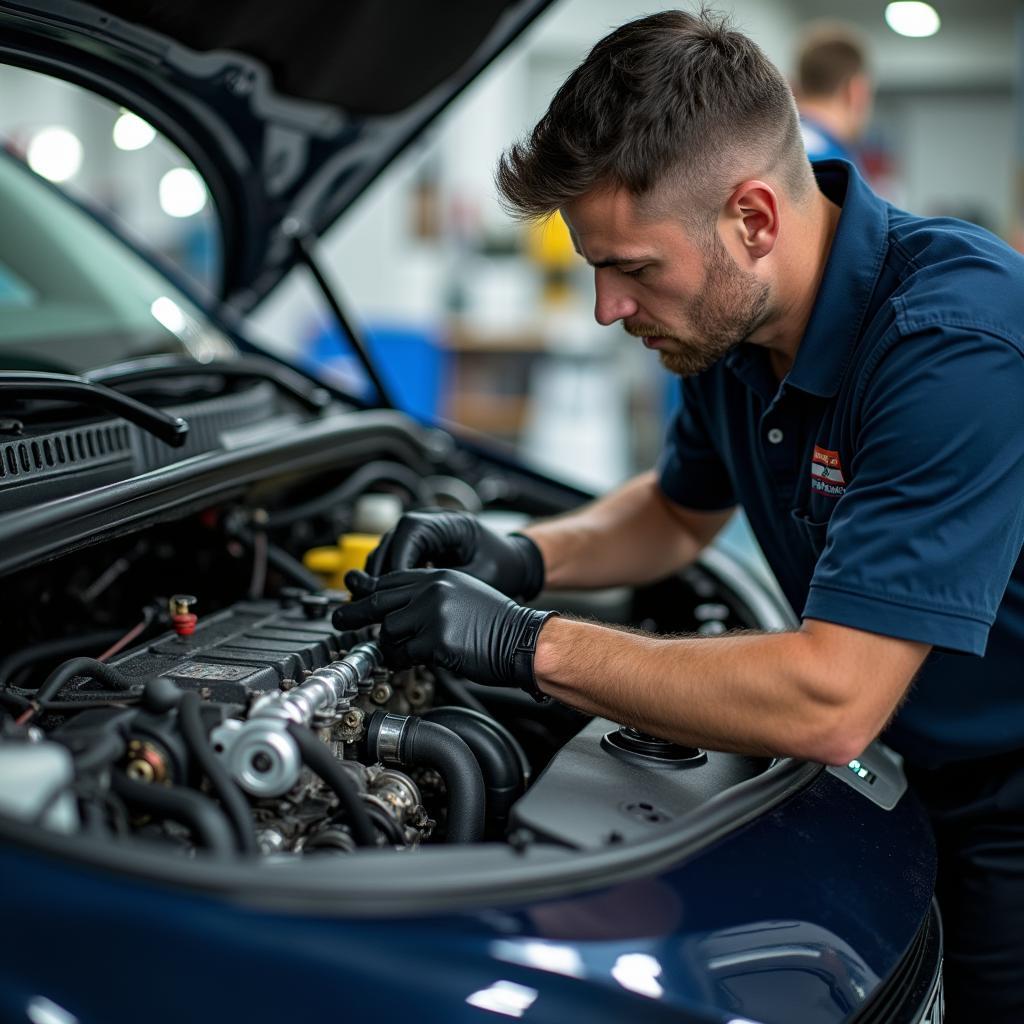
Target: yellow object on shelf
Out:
[549,245]
[351,552]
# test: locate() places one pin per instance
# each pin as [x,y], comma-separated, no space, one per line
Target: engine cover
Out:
[247,649]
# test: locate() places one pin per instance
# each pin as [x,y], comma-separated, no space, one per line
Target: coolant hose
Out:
[498,759]
[358,483]
[227,790]
[408,740]
[202,816]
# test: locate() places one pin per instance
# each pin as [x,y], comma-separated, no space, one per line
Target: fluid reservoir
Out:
[376,513]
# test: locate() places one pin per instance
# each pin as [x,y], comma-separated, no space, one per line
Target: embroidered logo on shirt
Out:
[827,473]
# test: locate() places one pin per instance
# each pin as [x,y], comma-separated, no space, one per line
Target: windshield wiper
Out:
[304,391]
[25,384]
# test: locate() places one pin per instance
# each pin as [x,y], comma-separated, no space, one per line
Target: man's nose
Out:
[613,301]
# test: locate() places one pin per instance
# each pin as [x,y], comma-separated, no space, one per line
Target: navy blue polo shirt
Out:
[884,475]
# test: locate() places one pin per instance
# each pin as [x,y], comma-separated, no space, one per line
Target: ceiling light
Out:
[55,153]
[182,193]
[131,132]
[912,18]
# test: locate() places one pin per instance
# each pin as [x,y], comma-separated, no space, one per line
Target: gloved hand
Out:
[460,541]
[446,619]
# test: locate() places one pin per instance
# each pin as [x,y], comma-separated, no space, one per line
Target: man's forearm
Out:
[631,536]
[751,693]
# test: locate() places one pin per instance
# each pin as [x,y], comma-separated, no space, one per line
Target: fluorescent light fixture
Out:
[912,18]
[182,193]
[504,997]
[55,153]
[131,132]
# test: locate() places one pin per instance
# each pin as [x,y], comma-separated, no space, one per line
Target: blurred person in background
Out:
[833,91]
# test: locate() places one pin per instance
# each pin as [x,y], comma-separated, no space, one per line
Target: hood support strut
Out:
[305,248]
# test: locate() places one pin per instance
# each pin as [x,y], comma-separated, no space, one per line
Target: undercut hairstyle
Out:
[827,57]
[675,108]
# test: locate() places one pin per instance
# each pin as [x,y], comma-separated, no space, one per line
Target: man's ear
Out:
[752,212]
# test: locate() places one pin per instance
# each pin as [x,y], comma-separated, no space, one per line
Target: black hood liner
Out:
[370,57]
[288,110]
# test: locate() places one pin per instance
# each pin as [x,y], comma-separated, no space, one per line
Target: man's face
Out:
[690,302]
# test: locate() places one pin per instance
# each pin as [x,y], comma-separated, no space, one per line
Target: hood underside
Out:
[288,111]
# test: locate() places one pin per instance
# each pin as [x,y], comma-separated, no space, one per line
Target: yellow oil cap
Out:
[332,563]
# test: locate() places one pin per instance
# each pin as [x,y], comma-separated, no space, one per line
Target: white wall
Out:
[954,154]
[390,274]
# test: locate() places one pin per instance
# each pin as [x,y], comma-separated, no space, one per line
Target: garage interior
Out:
[490,325]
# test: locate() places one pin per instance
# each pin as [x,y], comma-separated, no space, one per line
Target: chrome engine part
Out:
[260,753]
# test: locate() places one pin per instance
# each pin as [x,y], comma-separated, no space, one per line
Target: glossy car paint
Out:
[801,911]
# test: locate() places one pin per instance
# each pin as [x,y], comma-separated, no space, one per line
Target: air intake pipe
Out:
[410,741]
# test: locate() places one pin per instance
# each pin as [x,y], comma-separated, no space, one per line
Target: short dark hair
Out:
[827,57]
[670,97]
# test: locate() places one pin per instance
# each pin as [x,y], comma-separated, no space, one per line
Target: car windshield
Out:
[73,297]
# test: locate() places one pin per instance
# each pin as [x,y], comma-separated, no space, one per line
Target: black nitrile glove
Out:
[446,619]
[457,540]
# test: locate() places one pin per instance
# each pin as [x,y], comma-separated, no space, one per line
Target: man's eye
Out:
[633,273]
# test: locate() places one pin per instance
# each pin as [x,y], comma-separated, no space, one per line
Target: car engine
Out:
[234,719]
[260,728]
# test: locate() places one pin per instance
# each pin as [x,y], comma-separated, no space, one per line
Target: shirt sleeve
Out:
[922,543]
[690,471]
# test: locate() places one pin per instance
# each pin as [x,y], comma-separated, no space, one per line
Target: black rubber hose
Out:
[434,746]
[64,706]
[90,667]
[386,824]
[318,758]
[108,747]
[503,775]
[227,790]
[201,816]
[281,560]
[456,687]
[353,487]
[60,648]
[14,700]
[457,691]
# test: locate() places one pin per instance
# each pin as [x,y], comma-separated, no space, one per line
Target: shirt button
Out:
[775,436]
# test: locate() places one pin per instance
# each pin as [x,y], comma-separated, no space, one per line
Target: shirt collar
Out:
[851,272]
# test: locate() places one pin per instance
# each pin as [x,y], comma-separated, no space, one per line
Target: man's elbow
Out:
[840,722]
[840,745]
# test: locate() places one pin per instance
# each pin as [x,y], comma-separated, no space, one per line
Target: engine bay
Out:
[181,685]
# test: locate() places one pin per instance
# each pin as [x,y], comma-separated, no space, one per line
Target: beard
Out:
[731,305]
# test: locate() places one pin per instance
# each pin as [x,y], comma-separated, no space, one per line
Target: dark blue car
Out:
[215,806]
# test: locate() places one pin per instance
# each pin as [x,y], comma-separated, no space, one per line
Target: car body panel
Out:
[817,923]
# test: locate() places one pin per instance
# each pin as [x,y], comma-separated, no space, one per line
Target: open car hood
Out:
[288,110]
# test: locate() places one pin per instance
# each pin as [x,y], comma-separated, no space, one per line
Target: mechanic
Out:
[833,91]
[853,377]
